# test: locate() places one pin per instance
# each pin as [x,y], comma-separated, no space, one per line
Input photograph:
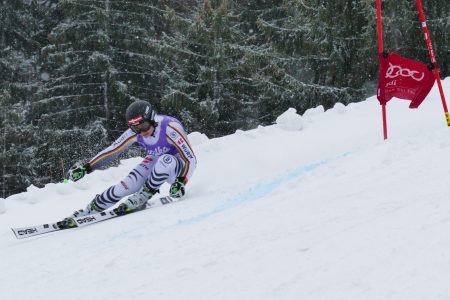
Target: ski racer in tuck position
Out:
[170,159]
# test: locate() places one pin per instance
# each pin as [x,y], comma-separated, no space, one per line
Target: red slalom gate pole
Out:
[433,58]
[380,51]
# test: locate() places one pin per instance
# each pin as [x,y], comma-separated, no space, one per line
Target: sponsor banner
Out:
[403,78]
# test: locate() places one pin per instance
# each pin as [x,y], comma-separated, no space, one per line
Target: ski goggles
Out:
[141,127]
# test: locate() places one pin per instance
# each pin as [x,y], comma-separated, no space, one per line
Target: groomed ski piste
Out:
[316,206]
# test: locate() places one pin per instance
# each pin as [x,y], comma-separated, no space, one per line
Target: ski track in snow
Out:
[253,193]
[256,192]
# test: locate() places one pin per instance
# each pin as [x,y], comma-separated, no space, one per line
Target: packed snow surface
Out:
[313,207]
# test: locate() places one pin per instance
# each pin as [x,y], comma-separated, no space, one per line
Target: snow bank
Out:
[312,112]
[290,120]
[340,108]
[2,205]
[196,138]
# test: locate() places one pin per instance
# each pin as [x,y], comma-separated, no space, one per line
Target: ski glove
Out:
[177,188]
[77,172]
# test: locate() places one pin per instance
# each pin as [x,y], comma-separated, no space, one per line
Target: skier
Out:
[170,159]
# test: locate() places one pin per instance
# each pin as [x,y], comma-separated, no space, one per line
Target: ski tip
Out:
[15,233]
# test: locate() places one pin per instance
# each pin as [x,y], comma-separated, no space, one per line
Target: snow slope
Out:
[315,207]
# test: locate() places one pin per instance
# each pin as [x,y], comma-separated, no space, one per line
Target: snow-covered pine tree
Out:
[438,20]
[317,43]
[19,46]
[216,92]
[439,26]
[403,31]
[101,57]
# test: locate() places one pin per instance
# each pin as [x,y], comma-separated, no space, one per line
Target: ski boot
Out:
[69,222]
[135,202]
[66,223]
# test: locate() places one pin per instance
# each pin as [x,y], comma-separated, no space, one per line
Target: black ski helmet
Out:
[140,111]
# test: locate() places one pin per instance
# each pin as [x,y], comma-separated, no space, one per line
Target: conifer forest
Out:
[70,68]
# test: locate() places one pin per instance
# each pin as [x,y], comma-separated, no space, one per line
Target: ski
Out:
[30,231]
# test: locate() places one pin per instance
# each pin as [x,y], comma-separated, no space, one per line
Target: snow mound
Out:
[290,120]
[340,108]
[312,112]
[2,205]
[196,138]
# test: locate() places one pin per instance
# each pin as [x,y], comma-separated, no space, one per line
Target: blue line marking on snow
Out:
[258,191]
